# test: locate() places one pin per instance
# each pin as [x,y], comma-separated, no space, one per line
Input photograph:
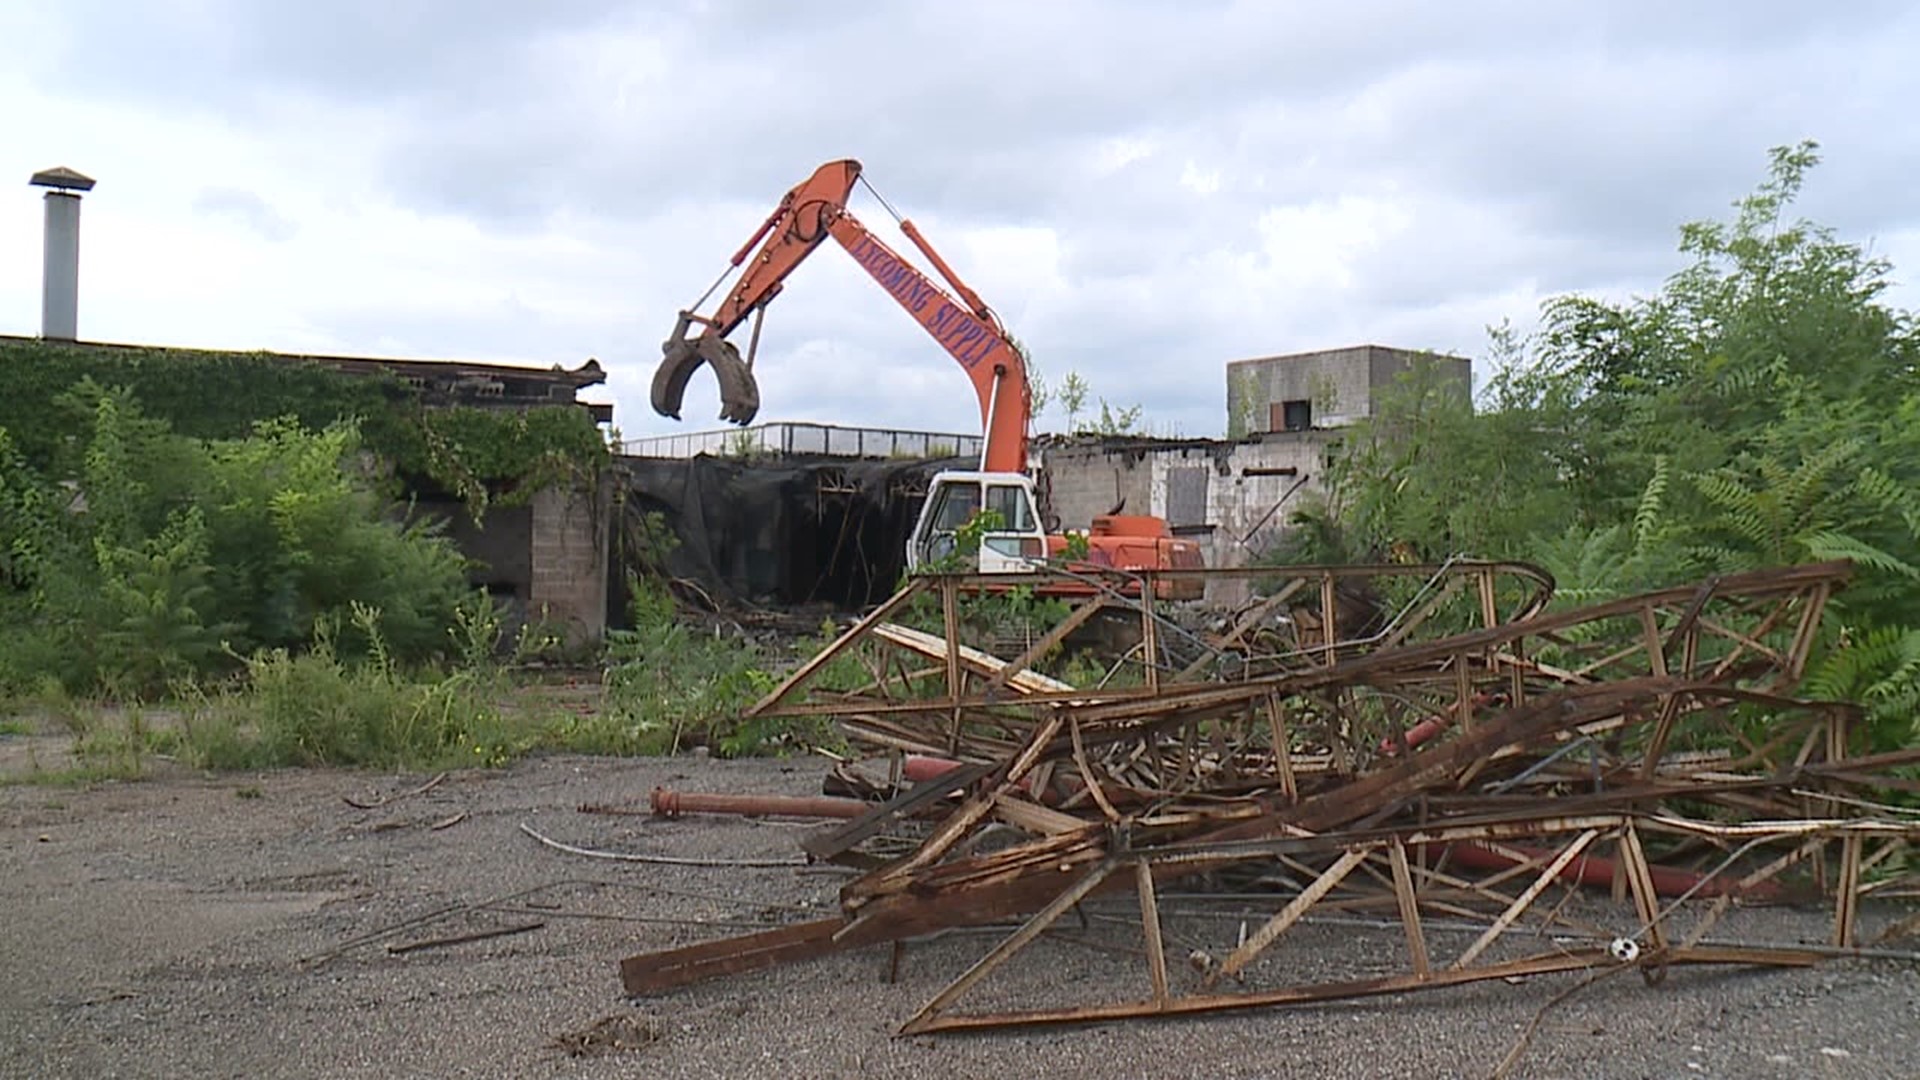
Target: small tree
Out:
[1073,397]
[1117,421]
[1243,403]
[1762,408]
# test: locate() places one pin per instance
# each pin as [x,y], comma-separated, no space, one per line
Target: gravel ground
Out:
[158,928]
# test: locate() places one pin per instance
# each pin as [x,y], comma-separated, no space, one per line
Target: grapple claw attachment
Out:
[682,356]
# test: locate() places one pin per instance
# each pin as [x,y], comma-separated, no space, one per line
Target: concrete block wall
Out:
[1081,482]
[1241,501]
[1342,384]
[569,543]
[1337,381]
[500,546]
[1246,481]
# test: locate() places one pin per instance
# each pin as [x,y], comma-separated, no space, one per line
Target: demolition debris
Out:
[1582,790]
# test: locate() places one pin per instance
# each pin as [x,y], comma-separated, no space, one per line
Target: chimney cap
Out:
[62,178]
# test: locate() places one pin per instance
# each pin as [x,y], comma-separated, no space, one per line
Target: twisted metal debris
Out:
[1466,755]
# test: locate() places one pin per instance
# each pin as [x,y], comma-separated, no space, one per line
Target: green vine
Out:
[481,456]
[499,456]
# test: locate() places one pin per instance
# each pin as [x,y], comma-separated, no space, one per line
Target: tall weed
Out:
[670,685]
[319,707]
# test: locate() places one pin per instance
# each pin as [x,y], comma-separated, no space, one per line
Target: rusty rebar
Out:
[669,803]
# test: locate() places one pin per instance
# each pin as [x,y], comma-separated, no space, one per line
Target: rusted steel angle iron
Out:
[1092,874]
[775,702]
[652,973]
[1429,661]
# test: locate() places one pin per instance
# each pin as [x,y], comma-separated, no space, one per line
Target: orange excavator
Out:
[968,329]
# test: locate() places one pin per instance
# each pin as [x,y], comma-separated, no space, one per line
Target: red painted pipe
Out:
[1594,870]
[1599,870]
[1434,725]
[1587,870]
[920,768]
[674,803]
[1415,735]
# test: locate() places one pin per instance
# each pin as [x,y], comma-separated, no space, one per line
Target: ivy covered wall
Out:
[477,454]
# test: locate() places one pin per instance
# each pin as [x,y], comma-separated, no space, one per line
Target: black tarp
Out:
[781,531]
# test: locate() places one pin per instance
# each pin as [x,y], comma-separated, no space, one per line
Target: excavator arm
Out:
[809,214]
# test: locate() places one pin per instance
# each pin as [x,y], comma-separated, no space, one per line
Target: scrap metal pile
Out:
[1579,789]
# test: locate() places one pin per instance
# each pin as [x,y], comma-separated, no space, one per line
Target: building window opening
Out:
[1295,416]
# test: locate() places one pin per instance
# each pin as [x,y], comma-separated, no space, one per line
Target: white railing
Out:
[800,439]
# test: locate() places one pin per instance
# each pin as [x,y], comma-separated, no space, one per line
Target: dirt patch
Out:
[610,1035]
[31,754]
[239,925]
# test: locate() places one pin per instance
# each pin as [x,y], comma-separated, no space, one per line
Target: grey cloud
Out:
[345,50]
[1549,145]
[248,209]
[985,113]
[953,97]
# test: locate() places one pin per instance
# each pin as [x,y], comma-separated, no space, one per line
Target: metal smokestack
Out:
[60,282]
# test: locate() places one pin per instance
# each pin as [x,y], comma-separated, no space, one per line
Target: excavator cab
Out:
[1013,543]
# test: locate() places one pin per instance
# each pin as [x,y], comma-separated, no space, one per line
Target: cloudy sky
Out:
[1143,190]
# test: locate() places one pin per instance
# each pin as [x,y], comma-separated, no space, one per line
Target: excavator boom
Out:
[810,213]
[790,234]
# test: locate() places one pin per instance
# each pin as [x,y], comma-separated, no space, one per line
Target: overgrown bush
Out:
[1762,409]
[476,454]
[671,684]
[162,556]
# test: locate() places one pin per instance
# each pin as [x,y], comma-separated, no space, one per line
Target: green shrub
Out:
[670,685]
[1762,409]
[163,557]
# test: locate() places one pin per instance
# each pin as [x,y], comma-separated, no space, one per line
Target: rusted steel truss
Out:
[1248,967]
[1464,753]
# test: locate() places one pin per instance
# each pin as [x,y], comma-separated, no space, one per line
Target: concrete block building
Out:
[1285,419]
[1325,389]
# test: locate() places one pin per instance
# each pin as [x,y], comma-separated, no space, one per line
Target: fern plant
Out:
[1879,670]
